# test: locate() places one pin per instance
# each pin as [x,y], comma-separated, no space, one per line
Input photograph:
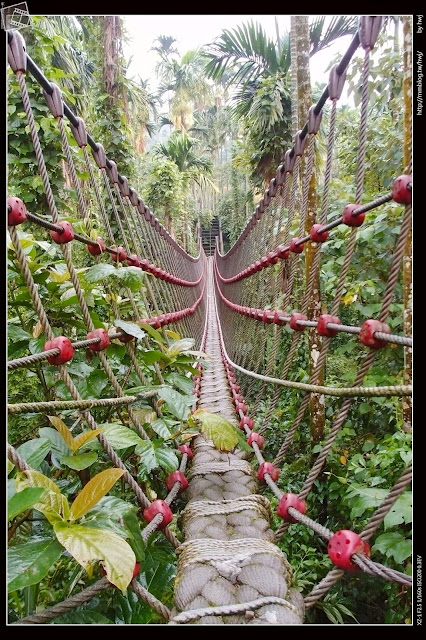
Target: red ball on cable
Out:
[64,344]
[16,212]
[67,234]
[257,438]
[343,545]
[268,467]
[156,507]
[104,340]
[290,500]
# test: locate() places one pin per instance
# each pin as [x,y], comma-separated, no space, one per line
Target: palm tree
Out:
[258,69]
[186,80]
[193,168]
[180,149]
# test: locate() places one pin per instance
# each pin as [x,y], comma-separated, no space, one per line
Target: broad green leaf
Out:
[131,328]
[147,455]
[167,458]
[99,272]
[54,276]
[109,514]
[217,429]
[10,466]
[83,616]
[22,501]
[53,504]
[115,507]
[393,544]
[34,451]
[157,575]
[81,461]
[387,541]
[16,333]
[87,544]
[149,357]
[85,437]
[63,430]
[152,332]
[365,498]
[11,488]
[36,344]
[180,346]
[103,521]
[400,512]
[119,436]
[403,551]
[155,454]
[58,445]
[132,524]
[33,478]
[175,402]
[132,277]
[94,490]
[181,382]
[160,427]
[29,563]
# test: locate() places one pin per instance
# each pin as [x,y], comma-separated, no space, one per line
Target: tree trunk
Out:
[300,37]
[112,31]
[293,70]
[407,257]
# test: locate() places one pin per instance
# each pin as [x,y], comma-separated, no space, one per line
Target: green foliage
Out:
[29,563]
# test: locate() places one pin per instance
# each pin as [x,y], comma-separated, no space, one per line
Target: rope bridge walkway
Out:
[234,305]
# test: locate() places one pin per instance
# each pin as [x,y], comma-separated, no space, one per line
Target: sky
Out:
[192,31]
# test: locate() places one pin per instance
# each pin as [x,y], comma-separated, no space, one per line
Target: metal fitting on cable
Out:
[289,160]
[124,187]
[280,175]
[273,187]
[314,120]
[100,156]
[133,197]
[336,82]
[299,144]
[368,30]
[54,101]
[16,52]
[112,172]
[80,133]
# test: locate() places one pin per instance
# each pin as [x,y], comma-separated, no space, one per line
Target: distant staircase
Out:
[208,236]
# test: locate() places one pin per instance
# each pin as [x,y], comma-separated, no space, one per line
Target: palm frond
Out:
[337,27]
[245,50]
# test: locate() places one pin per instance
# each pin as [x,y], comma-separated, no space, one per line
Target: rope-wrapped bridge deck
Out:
[236,306]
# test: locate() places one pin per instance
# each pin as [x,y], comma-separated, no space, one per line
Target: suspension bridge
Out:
[230,569]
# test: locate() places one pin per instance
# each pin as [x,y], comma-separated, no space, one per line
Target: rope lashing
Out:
[244,607]
[223,550]
[220,467]
[225,507]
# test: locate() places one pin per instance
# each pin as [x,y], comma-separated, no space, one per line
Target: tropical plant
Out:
[258,68]
[186,81]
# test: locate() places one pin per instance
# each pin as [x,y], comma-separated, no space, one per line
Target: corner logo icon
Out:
[15,16]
